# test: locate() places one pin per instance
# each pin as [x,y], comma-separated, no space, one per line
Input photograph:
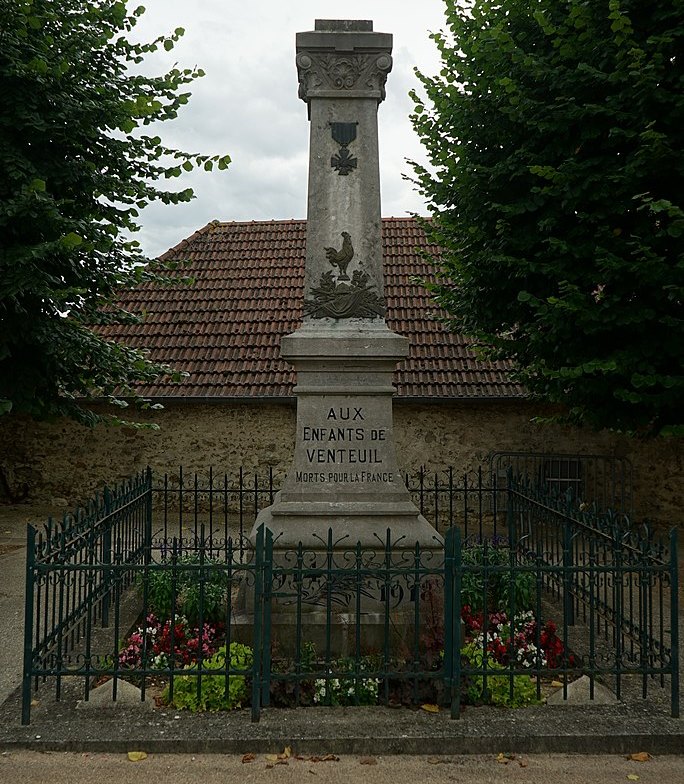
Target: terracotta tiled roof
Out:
[225,329]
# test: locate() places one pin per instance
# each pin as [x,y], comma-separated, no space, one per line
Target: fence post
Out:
[509,503]
[452,618]
[674,623]
[510,512]
[568,598]
[28,625]
[448,612]
[266,628]
[106,556]
[258,615]
[148,510]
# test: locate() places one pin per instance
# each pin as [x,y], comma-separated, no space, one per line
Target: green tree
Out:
[554,132]
[76,167]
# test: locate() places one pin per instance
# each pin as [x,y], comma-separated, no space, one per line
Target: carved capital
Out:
[342,75]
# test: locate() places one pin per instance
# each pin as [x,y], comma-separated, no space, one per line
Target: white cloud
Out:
[247,105]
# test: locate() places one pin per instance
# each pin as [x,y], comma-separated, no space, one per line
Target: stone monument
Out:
[344,475]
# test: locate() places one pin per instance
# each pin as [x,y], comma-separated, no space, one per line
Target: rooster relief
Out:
[335,299]
[341,258]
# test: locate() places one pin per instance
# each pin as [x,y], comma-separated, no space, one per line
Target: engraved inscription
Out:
[354,451]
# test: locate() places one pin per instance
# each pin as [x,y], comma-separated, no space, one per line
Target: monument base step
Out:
[340,635]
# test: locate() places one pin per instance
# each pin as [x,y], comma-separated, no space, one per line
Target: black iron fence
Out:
[603,481]
[156,583]
[227,504]
[74,575]
[612,578]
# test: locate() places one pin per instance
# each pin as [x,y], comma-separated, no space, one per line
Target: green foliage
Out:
[76,167]
[213,695]
[504,586]
[351,684]
[554,133]
[498,685]
[287,692]
[341,681]
[209,587]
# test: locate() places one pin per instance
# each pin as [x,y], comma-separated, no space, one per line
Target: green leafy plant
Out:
[502,587]
[206,590]
[213,694]
[351,686]
[498,682]
[341,681]
[289,692]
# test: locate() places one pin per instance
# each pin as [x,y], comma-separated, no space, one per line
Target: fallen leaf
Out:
[248,757]
[287,752]
[330,758]
[556,684]
[641,756]
[136,756]
[269,765]
[35,703]
[282,762]
[368,761]
[632,777]
[272,757]
[430,708]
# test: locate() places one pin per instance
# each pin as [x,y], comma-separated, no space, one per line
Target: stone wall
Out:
[67,461]
[465,434]
[63,462]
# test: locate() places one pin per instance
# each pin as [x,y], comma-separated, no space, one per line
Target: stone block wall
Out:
[64,463]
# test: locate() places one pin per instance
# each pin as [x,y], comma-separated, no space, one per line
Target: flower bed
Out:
[528,646]
[495,648]
[164,644]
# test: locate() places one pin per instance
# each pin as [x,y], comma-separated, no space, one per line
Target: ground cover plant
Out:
[522,641]
[213,692]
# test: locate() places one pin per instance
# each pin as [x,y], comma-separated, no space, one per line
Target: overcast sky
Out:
[247,105]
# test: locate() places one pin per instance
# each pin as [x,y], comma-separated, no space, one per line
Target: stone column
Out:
[345,474]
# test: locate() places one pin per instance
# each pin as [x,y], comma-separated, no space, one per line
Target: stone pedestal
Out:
[345,474]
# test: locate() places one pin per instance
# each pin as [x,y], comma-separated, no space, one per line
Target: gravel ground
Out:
[26,767]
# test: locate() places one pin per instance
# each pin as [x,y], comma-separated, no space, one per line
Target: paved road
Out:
[63,768]
[12,571]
